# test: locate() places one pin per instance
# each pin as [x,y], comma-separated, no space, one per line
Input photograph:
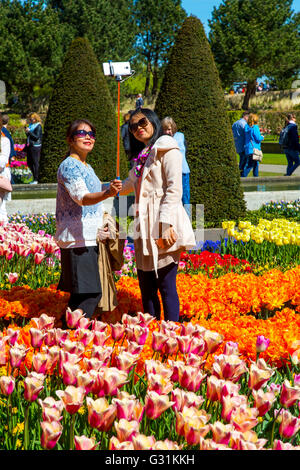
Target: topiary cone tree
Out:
[81,92]
[191,94]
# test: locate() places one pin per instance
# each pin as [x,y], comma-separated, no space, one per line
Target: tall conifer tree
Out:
[191,93]
[81,91]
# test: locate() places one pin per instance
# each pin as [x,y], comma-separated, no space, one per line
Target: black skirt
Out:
[79,270]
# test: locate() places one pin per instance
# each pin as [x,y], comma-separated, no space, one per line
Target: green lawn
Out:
[273,159]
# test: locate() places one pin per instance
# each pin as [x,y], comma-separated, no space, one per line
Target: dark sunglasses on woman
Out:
[141,123]
[82,134]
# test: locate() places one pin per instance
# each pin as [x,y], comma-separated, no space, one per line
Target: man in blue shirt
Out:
[292,146]
[238,129]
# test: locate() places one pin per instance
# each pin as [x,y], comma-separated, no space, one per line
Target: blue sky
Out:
[203,9]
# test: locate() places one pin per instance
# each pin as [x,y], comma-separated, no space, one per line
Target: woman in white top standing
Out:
[4,171]
[78,219]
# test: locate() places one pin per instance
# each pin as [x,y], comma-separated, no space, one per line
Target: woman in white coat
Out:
[162,227]
[4,171]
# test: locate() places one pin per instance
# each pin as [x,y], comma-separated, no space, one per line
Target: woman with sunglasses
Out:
[78,218]
[162,227]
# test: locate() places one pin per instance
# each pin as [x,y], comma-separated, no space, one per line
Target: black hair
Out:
[135,146]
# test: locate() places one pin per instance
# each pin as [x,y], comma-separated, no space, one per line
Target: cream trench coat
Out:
[160,199]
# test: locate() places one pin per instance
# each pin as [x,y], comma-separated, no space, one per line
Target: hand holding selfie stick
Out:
[117,70]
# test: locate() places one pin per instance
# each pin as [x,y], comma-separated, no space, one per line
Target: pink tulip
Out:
[262,343]
[279,445]
[231,347]
[12,335]
[175,365]
[128,320]
[229,367]
[84,323]
[86,381]
[134,348]
[35,247]
[72,398]
[51,409]
[51,432]
[117,331]
[7,385]
[159,384]
[3,353]
[41,363]
[166,445]
[113,379]
[70,373]
[126,429]
[44,322]
[72,318]
[289,425]
[259,374]
[142,442]
[33,385]
[115,444]
[12,277]
[297,380]
[137,333]
[37,337]
[84,336]
[38,258]
[101,353]
[221,432]
[198,346]
[244,418]
[17,355]
[73,347]
[190,378]
[230,404]
[9,255]
[170,346]
[129,408]
[158,340]
[85,443]
[126,361]
[213,340]
[145,318]
[263,401]
[100,338]
[99,326]
[101,415]
[289,395]
[156,404]
[50,337]
[181,398]
[229,389]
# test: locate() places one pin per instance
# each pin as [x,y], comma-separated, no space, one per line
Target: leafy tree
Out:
[158,22]
[107,24]
[191,93]
[81,92]
[250,39]
[31,48]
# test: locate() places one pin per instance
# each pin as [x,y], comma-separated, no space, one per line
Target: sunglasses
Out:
[141,123]
[82,134]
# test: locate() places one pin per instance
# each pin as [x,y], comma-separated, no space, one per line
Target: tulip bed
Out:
[227,376]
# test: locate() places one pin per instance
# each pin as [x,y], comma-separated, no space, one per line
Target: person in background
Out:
[238,130]
[253,139]
[292,147]
[4,171]
[34,134]
[162,227]
[79,217]
[5,121]
[125,133]
[139,101]
[170,128]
